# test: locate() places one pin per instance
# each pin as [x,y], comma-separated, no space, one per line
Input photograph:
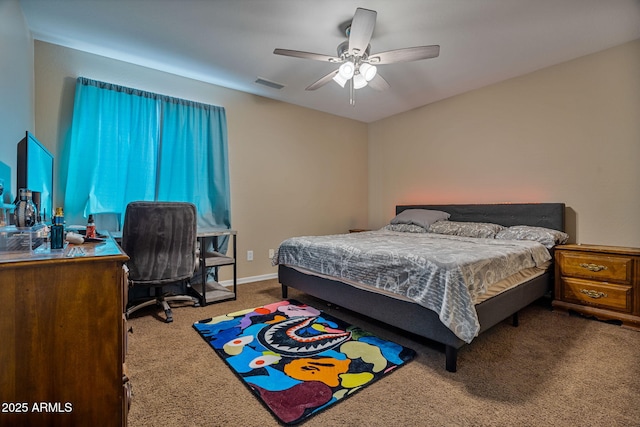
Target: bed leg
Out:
[285,291]
[451,354]
[515,320]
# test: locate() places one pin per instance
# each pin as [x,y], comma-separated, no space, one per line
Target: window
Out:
[127,145]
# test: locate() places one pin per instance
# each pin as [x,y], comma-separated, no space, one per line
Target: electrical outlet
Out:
[249,255]
[271,253]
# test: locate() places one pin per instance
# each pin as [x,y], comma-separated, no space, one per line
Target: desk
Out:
[211,291]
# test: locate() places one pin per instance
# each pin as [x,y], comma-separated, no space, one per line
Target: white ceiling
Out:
[230,43]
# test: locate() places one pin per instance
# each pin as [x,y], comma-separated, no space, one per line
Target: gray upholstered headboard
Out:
[549,215]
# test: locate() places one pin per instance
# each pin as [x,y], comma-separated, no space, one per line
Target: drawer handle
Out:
[593,267]
[593,294]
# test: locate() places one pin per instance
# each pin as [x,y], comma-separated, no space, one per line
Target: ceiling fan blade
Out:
[307,55]
[405,55]
[361,30]
[322,81]
[379,83]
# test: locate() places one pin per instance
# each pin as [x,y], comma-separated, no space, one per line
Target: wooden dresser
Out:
[63,337]
[599,281]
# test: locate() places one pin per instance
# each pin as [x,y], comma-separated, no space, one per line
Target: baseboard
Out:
[250,279]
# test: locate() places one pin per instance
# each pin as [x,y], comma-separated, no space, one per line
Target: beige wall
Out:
[292,170]
[16,90]
[568,133]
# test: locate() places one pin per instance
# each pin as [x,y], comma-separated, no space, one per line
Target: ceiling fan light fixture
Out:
[347,70]
[368,71]
[359,81]
[339,79]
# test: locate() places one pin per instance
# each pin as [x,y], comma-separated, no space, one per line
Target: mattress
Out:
[493,290]
[447,274]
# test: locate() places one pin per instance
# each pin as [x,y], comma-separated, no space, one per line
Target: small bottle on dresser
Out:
[91,228]
[57,230]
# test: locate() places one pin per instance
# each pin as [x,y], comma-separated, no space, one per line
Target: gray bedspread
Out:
[440,272]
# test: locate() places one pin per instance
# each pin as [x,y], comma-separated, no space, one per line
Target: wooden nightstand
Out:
[599,281]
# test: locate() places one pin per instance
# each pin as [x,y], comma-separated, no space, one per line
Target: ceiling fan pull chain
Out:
[352,94]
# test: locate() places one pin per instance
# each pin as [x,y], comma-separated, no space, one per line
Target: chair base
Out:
[164,302]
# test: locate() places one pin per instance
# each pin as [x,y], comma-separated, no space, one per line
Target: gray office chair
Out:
[160,240]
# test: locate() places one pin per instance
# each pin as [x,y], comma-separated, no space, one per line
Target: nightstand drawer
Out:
[597,267]
[604,295]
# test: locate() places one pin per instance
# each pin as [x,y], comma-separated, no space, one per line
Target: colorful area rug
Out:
[298,360]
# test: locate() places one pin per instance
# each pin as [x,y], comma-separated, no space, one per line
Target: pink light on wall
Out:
[446,196]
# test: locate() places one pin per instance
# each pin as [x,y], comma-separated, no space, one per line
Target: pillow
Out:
[484,230]
[406,228]
[422,217]
[546,236]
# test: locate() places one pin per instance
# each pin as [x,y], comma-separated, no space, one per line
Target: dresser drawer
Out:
[604,295]
[614,268]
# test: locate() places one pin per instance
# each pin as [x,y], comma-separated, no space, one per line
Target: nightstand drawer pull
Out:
[593,294]
[593,267]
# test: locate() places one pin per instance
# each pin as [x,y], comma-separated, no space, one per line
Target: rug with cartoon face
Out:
[297,359]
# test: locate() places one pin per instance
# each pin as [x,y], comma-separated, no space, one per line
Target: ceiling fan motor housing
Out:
[343,51]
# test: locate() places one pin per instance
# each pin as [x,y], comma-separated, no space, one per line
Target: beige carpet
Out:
[552,370]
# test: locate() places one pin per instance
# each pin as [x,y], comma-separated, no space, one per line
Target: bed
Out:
[413,315]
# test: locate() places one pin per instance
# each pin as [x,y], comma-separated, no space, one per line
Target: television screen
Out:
[35,172]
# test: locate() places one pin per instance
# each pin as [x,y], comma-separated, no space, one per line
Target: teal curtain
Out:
[128,145]
[193,159]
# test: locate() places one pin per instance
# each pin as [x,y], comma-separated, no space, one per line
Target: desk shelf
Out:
[213,292]
[213,259]
[210,291]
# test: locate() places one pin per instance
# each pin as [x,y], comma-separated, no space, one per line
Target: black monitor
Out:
[35,172]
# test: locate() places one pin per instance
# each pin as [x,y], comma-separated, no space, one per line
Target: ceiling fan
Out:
[358,65]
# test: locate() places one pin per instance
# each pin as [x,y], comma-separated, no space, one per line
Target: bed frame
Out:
[419,320]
